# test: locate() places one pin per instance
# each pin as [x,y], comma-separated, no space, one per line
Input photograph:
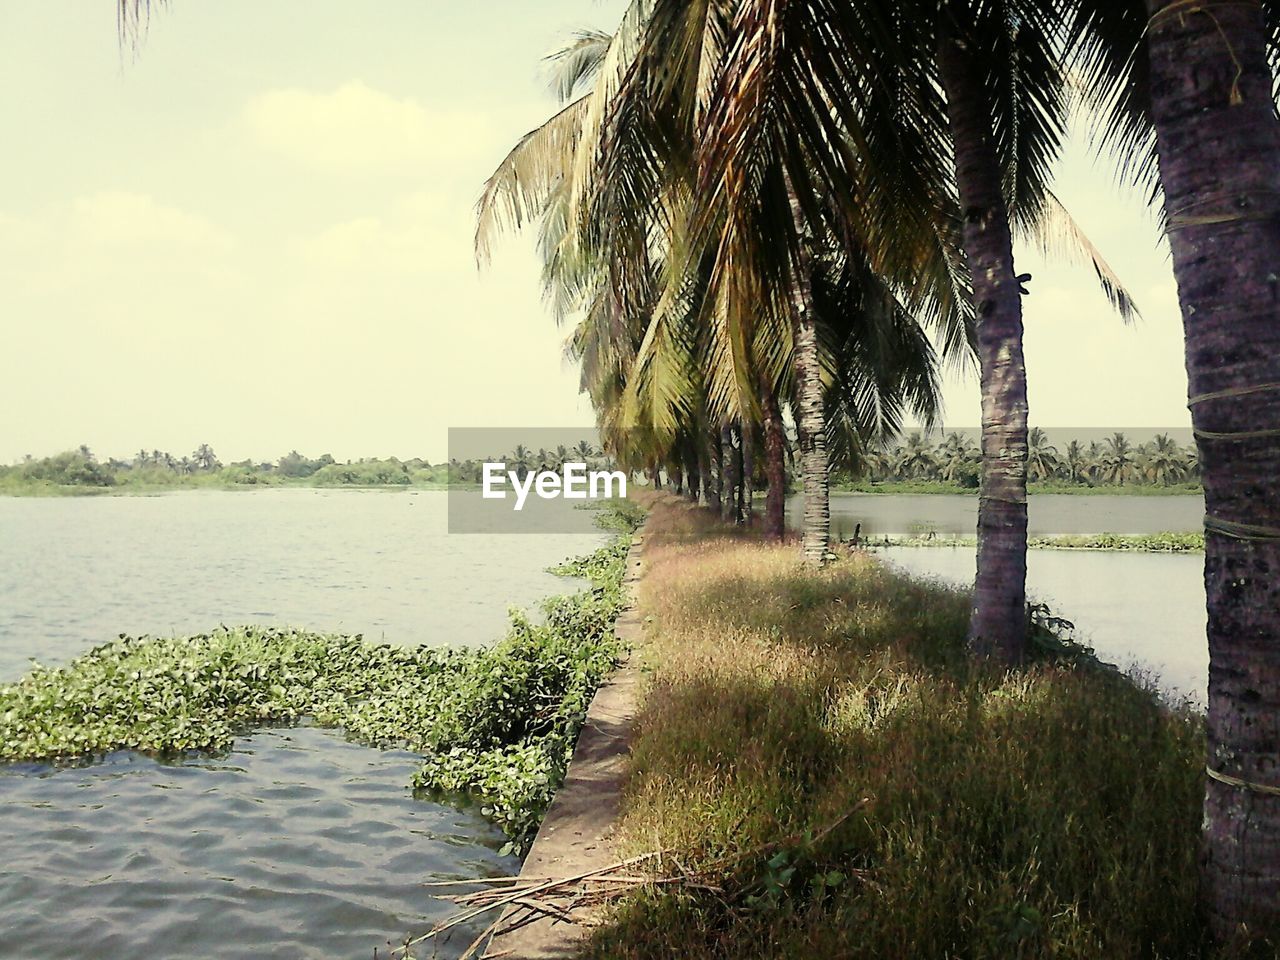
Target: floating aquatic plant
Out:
[496,722]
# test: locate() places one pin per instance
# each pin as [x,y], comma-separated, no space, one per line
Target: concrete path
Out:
[575,835]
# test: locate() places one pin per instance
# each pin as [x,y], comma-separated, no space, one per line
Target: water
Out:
[1136,609]
[296,844]
[1143,610]
[1048,514]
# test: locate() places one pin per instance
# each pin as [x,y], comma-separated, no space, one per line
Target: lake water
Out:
[296,844]
[1136,609]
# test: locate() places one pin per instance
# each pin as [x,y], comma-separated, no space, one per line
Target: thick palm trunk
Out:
[997,627]
[811,421]
[1219,150]
[775,468]
[715,479]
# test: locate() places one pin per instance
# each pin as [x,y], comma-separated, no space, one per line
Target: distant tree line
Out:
[956,459]
[81,468]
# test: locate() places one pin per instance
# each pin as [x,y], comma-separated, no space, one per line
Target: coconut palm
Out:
[1042,457]
[1077,463]
[1193,86]
[205,459]
[915,459]
[1117,460]
[956,457]
[657,341]
[1163,461]
[918,121]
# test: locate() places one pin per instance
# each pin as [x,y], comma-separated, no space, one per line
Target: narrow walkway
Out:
[574,836]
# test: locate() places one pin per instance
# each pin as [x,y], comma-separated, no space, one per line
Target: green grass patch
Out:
[496,723]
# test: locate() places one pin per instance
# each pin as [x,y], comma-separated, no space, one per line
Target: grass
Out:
[1052,812]
[1166,542]
[496,723]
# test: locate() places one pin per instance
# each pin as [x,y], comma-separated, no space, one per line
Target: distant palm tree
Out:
[955,456]
[1042,457]
[520,460]
[1076,462]
[1162,460]
[205,459]
[915,459]
[1117,460]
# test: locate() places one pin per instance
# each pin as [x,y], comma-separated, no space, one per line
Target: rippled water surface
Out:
[296,844]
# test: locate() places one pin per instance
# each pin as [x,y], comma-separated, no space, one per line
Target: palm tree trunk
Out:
[704,468]
[775,467]
[715,478]
[1219,142]
[811,423]
[729,488]
[692,478]
[748,473]
[739,482]
[676,475]
[997,627]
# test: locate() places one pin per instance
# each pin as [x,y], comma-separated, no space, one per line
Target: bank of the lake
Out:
[219,841]
[817,749]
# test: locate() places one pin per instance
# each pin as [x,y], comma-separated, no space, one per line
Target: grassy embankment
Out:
[1166,542]
[495,723]
[1053,812]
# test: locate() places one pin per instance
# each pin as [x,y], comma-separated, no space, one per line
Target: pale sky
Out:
[258,234]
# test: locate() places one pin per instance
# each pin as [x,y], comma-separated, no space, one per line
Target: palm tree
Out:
[1191,85]
[1116,464]
[1163,462]
[922,120]
[1076,462]
[684,347]
[956,455]
[1042,457]
[205,459]
[915,458]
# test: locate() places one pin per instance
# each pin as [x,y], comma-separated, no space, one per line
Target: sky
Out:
[257,233]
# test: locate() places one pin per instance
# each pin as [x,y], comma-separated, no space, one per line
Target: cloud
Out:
[357,129]
[115,217]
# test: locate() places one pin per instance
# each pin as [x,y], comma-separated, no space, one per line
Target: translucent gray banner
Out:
[529,480]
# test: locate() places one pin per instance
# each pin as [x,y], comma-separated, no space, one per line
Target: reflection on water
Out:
[297,844]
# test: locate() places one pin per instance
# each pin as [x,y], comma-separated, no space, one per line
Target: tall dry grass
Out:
[1051,812]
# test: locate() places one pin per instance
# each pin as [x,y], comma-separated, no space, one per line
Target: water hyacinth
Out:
[496,722]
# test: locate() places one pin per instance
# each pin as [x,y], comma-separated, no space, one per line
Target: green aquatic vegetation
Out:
[497,723]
